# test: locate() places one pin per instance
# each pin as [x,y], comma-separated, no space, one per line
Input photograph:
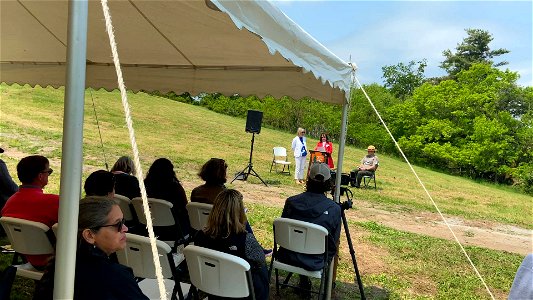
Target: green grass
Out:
[189,135]
[404,265]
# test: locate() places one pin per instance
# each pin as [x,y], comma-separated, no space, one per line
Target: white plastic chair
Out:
[161,215]
[124,204]
[55,229]
[301,237]
[198,214]
[28,238]
[138,256]
[280,158]
[218,273]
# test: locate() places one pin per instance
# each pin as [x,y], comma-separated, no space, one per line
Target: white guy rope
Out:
[424,187]
[129,122]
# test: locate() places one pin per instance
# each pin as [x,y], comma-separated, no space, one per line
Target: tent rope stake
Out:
[136,160]
[424,187]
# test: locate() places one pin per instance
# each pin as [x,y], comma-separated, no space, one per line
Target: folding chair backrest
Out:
[124,204]
[198,214]
[55,229]
[280,152]
[27,237]
[218,273]
[299,236]
[160,209]
[138,256]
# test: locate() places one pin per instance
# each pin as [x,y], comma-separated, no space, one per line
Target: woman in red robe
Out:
[324,145]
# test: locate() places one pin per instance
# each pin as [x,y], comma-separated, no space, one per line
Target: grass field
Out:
[396,264]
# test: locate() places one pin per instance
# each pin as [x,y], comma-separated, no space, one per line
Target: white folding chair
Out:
[28,238]
[124,204]
[161,216]
[198,214]
[138,256]
[280,158]
[55,229]
[301,237]
[218,273]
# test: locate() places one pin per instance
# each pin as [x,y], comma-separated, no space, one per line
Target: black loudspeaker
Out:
[253,121]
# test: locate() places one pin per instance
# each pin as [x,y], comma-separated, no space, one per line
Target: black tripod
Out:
[344,206]
[249,169]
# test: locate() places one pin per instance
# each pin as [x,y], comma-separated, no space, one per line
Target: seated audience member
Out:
[213,172]
[226,232]
[126,184]
[30,203]
[522,287]
[161,183]
[101,232]
[368,166]
[100,183]
[7,187]
[314,207]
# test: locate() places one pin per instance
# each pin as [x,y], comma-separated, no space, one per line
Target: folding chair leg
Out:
[271,167]
[277,281]
[177,289]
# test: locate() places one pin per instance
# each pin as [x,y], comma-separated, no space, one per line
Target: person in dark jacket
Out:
[126,184]
[7,187]
[314,207]
[101,232]
[100,183]
[226,232]
[161,183]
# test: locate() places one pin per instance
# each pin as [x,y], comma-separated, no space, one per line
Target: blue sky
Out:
[379,33]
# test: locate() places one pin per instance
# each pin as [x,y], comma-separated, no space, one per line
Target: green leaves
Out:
[473,50]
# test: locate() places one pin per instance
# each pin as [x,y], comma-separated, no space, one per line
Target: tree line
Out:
[476,121]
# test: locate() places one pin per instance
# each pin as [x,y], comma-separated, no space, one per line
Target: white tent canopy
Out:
[180,46]
[166,45]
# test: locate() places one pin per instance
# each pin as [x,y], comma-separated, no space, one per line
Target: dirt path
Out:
[483,234]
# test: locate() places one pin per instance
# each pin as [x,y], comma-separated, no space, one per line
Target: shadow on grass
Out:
[343,290]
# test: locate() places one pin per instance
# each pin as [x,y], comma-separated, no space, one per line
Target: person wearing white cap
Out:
[314,207]
[368,166]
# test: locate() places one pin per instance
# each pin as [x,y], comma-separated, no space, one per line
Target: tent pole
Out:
[342,142]
[72,150]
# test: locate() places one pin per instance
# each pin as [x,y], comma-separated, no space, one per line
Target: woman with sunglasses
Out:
[101,232]
[299,147]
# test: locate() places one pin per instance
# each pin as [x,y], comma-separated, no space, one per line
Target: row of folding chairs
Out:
[207,269]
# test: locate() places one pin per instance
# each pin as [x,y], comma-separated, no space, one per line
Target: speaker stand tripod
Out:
[249,169]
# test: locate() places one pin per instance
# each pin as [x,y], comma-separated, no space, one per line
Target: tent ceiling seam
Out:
[156,66]
[161,33]
[44,26]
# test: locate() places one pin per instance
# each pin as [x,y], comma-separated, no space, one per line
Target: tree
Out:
[474,49]
[478,125]
[402,79]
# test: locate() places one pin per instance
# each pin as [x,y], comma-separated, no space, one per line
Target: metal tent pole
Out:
[342,142]
[72,150]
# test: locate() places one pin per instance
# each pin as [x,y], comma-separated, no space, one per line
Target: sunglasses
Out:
[49,171]
[117,225]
